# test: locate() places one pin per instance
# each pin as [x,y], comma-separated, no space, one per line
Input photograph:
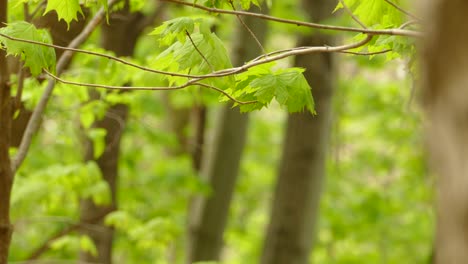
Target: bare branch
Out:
[220,73]
[192,82]
[355,18]
[38,9]
[281,55]
[394,32]
[262,59]
[248,29]
[409,23]
[366,53]
[199,52]
[402,10]
[99,55]
[33,124]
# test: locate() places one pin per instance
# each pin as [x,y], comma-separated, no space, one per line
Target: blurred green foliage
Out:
[377,199]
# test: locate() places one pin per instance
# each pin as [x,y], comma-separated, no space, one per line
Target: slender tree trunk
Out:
[6,175]
[445,64]
[221,161]
[119,36]
[294,213]
[198,141]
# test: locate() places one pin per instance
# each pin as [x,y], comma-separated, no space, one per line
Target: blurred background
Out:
[176,177]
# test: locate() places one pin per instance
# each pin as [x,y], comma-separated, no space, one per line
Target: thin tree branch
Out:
[366,53]
[220,73]
[46,244]
[99,55]
[227,72]
[248,29]
[33,124]
[306,49]
[199,52]
[394,32]
[150,19]
[402,10]
[355,18]
[262,59]
[38,8]
[192,82]
[409,23]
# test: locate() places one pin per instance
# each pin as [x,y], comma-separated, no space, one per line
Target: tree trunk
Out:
[221,161]
[6,175]
[294,213]
[119,36]
[198,141]
[445,64]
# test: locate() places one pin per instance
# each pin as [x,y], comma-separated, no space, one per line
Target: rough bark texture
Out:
[6,175]
[290,232]
[445,67]
[221,162]
[119,36]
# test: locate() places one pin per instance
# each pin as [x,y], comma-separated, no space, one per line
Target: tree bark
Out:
[445,94]
[120,36]
[290,232]
[220,165]
[6,174]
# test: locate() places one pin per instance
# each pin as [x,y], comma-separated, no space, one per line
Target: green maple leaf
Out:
[374,13]
[66,9]
[36,57]
[288,87]
[175,28]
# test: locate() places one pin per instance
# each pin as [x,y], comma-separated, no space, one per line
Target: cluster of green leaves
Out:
[34,56]
[375,13]
[51,194]
[379,14]
[203,52]
[70,9]
[263,84]
[192,48]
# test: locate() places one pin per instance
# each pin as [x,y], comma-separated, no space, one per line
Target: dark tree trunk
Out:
[6,174]
[119,36]
[290,233]
[221,161]
[198,141]
[445,86]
